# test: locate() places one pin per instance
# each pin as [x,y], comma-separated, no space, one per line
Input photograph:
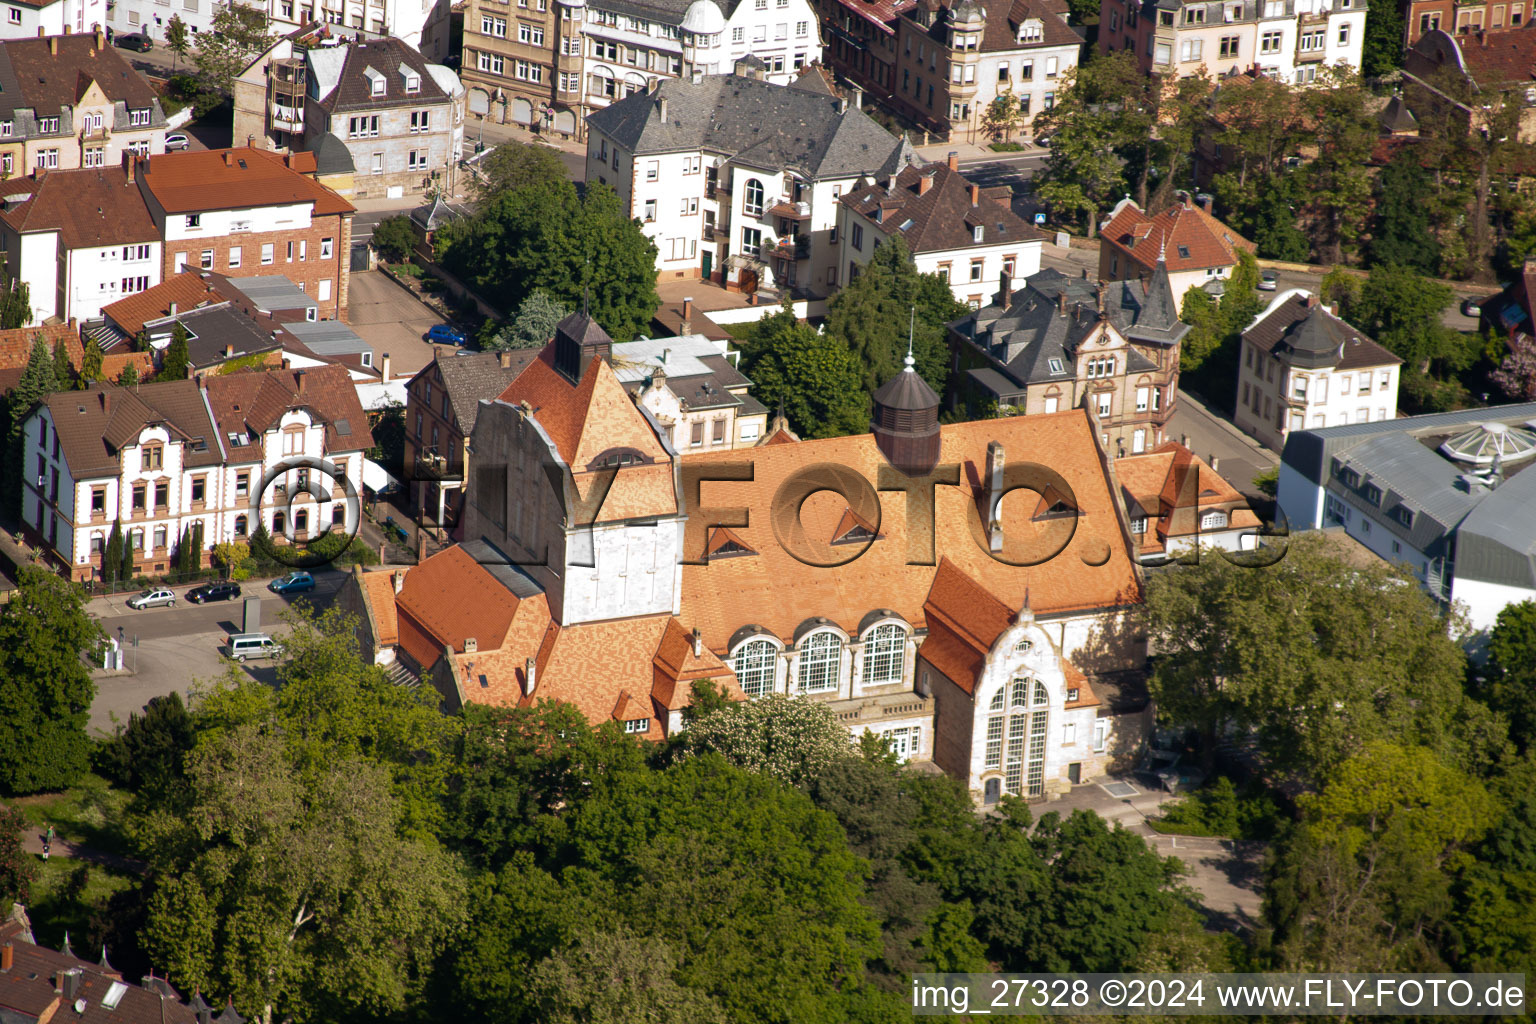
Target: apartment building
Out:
[1304,368]
[726,200]
[73,101]
[1442,69]
[1421,17]
[157,459]
[954,228]
[80,240]
[955,58]
[420,23]
[693,390]
[522,62]
[1289,39]
[22,19]
[249,212]
[1187,238]
[860,38]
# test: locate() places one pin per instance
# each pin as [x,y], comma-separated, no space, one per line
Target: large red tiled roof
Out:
[253,401]
[450,598]
[236,179]
[186,290]
[1497,60]
[1182,228]
[1174,486]
[89,207]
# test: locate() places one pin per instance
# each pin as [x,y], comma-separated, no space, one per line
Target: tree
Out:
[63,373]
[1002,118]
[1383,43]
[90,363]
[148,756]
[173,365]
[617,977]
[112,558]
[815,378]
[1084,174]
[15,305]
[125,567]
[533,326]
[177,40]
[1401,234]
[792,739]
[1401,309]
[237,34]
[1310,656]
[129,377]
[388,429]
[17,868]
[1516,374]
[38,380]
[1508,680]
[1337,180]
[514,165]
[394,238]
[45,685]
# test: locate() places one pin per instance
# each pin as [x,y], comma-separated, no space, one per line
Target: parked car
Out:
[136,41]
[445,334]
[213,592]
[293,583]
[176,140]
[154,597]
[1472,307]
[1268,280]
[253,645]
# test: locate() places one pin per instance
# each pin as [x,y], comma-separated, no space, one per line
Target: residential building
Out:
[629,45]
[966,234]
[441,403]
[1421,17]
[270,93]
[522,63]
[156,459]
[400,119]
[956,56]
[1064,342]
[722,199]
[24,19]
[16,350]
[861,43]
[248,212]
[1303,367]
[1444,72]
[1288,39]
[1447,495]
[692,388]
[1179,506]
[79,239]
[1196,247]
[420,23]
[1013,674]
[71,101]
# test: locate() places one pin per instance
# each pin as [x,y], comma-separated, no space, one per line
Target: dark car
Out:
[293,583]
[136,41]
[213,592]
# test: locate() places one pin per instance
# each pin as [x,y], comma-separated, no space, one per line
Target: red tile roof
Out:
[1497,60]
[186,290]
[1183,227]
[236,179]
[379,590]
[90,208]
[1174,486]
[942,216]
[253,401]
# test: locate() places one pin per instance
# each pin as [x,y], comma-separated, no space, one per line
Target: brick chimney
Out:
[529,681]
[53,45]
[384,367]
[687,315]
[505,358]
[101,39]
[890,185]
[954,161]
[1061,302]
[1005,290]
[130,166]
[698,644]
[398,579]
[298,378]
[975,195]
[995,463]
[7,958]
[229,158]
[106,402]
[1099,293]
[925,183]
[229,351]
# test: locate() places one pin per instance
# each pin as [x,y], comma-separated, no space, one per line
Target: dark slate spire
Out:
[199,1006]
[906,420]
[1159,310]
[230,1016]
[104,964]
[67,951]
[1313,341]
[579,340]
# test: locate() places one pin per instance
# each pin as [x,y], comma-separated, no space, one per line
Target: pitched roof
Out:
[942,216]
[186,290]
[469,379]
[94,425]
[51,81]
[379,591]
[964,620]
[1172,487]
[1498,60]
[234,179]
[89,208]
[757,124]
[1304,332]
[252,402]
[1185,235]
[450,598]
[352,87]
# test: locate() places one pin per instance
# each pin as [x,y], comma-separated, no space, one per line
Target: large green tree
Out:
[17,867]
[1401,234]
[1094,117]
[814,377]
[1401,309]
[239,33]
[792,739]
[1338,179]
[174,363]
[1508,679]
[532,326]
[177,40]
[15,305]
[889,302]
[38,380]
[515,165]
[45,687]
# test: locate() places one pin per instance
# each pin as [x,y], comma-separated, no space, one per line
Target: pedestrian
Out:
[45,850]
[50,835]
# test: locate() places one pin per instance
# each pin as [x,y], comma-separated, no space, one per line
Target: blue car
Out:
[293,583]
[445,334]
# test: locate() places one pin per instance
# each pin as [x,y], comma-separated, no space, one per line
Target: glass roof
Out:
[1482,443]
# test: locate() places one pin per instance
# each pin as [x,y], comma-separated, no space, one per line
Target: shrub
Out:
[1218,810]
[395,239]
[1268,481]
[1008,147]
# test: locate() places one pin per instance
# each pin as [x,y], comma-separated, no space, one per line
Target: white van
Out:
[253,645]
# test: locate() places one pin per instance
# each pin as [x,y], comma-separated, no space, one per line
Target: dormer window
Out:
[1032,30]
[976,233]
[375,82]
[412,80]
[637,725]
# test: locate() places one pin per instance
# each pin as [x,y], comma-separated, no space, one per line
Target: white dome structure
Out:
[704,18]
[1485,442]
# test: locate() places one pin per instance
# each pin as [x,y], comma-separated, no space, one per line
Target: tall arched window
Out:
[301,521]
[1016,736]
[885,653]
[754,664]
[752,197]
[821,656]
[279,523]
[241,526]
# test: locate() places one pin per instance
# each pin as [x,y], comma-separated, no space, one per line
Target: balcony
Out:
[794,247]
[790,211]
[288,119]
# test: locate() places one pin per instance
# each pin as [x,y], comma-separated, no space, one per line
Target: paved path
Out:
[392,320]
[1238,457]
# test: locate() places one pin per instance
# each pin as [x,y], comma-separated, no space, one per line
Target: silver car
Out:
[154,597]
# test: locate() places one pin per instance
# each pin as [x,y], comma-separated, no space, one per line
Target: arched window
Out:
[1023,645]
[885,653]
[301,521]
[1020,693]
[1016,739]
[279,523]
[997,700]
[754,664]
[821,656]
[1042,698]
[242,525]
[752,197]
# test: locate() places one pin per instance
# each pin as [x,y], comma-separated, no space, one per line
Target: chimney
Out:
[399,580]
[298,378]
[505,359]
[471,645]
[666,355]
[53,45]
[129,166]
[687,315]
[661,107]
[173,307]
[7,958]
[229,351]
[652,86]
[1061,302]
[106,402]
[1005,290]
[1207,202]
[1099,293]
[66,30]
[954,160]
[994,495]
[842,106]
[229,159]
[858,98]
[1215,463]
[890,185]
[925,183]
[101,39]
[67,984]
[529,682]
[975,195]
[384,367]
[41,32]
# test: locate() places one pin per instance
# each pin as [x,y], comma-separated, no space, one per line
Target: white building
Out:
[1302,367]
[630,45]
[158,458]
[968,235]
[1448,496]
[80,240]
[693,390]
[724,197]
[23,20]
[420,23]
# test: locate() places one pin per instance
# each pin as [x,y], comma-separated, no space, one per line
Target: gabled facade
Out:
[722,199]
[1303,367]
[1177,505]
[1196,247]
[968,235]
[1460,75]
[157,459]
[1063,342]
[692,389]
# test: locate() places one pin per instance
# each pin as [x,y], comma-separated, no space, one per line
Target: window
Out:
[205,260]
[976,268]
[652,170]
[242,485]
[1228,47]
[491,62]
[94,157]
[47,125]
[821,658]
[856,237]
[1299,388]
[421,120]
[267,254]
[802,29]
[415,160]
[638,725]
[1213,521]
[527,71]
[1269,42]
[199,486]
[154,456]
[133,285]
[47,159]
[533,35]
[242,526]
[1104,399]
[325,248]
[1139,525]
[1142,397]
[1373,494]
[650,210]
[13,14]
[138,498]
[754,665]
[752,198]
[1344,35]
[1190,49]
[290,252]
[738,35]
[1100,735]
[885,649]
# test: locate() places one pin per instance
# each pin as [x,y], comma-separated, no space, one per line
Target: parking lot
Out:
[392,320]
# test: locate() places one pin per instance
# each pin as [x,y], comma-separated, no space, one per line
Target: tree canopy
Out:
[813,376]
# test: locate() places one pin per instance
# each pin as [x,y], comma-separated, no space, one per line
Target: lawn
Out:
[65,896]
[89,813]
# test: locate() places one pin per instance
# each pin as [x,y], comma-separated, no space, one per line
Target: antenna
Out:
[911,327]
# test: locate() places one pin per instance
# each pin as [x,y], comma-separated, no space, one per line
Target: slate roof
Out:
[756,124]
[235,179]
[353,91]
[1039,326]
[215,329]
[1301,331]
[90,208]
[1002,21]
[94,425]
[332,155]
[479,377]
[1396,117]
[943,216]
[1184,235]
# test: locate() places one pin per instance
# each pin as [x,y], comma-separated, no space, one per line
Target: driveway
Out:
[392,320]
[1238,458]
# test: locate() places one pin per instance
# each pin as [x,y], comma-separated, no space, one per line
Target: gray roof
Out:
[1037,327]
[330,338]
[502,568]
[270,293]
[756,124]
[476,377]
[215,333]
[678,357]
[332,155]
[1396,117]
